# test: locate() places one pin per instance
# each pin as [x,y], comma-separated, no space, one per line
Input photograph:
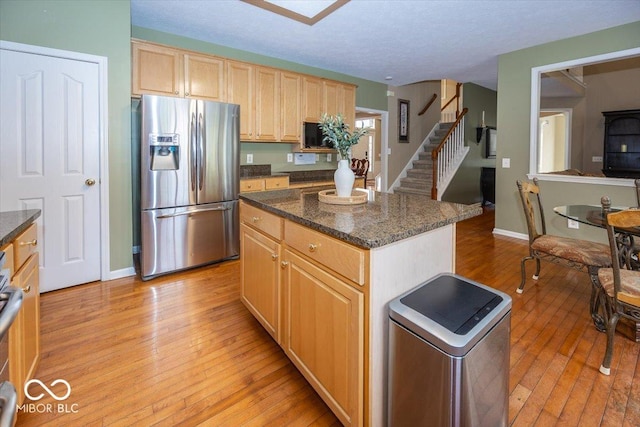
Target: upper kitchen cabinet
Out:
[311,99]
[161,70]
[240,91]
[257,90]
[204,77]
[290,107]
[340,98]
[157,70]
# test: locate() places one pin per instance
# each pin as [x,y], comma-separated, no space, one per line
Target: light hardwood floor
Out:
[182,350]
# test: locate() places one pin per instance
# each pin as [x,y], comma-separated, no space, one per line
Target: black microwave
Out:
[313,137]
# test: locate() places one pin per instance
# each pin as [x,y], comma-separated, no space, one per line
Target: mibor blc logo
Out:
[60,394]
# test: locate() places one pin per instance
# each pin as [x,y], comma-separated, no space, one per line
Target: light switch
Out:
[506,162]
[596,159]
[328,157]
[289,157]
[249,158]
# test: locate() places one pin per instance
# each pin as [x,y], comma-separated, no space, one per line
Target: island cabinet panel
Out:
[341,257]
[323,331]
[204,77]
[260,278]
[263,221]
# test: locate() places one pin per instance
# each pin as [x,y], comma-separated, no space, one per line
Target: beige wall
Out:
[418,95]
[514,115]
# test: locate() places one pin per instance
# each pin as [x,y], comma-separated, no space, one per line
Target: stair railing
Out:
[456,98]
[426,107]
[446,152]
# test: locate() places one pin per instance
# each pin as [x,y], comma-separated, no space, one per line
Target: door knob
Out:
[90,182]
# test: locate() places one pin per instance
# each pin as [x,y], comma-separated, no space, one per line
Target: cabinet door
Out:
[347,97]
[323,334]
[290,107]
[260,271]
[330,97]
[311,99]
[204,77]
[24,334]
[156,70]
[267,91]
[240,91]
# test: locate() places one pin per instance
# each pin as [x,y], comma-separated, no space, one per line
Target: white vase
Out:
[344,179]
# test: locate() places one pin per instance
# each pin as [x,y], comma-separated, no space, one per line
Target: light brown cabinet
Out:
[308,290]
[323,334]
[340,98]
[162,70]
[261,184]
[312,106]
[290,107]
[240,91]
[24,334]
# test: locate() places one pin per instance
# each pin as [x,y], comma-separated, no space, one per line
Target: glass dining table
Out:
[594,215]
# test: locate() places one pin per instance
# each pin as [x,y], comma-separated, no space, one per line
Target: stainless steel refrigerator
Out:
[190,161]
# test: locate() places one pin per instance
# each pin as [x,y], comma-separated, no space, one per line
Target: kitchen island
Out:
[319,278]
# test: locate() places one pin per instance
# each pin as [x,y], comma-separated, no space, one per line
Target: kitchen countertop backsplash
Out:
[259,171]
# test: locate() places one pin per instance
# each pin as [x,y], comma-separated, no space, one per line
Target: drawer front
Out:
[276,182]
[341,257]
[8,256]
[247,185]
[264,221]
[24,246]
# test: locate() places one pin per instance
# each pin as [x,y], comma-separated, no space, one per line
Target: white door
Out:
[50,159]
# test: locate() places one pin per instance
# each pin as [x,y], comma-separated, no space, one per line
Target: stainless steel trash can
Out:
[449,355]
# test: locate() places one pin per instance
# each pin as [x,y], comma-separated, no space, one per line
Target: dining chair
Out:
[637,182]
[620,283]
[360,168]
[574,253]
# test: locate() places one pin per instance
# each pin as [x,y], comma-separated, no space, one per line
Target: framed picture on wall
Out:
[403,120]
[490,141]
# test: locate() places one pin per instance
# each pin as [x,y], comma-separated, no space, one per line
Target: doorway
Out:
[52,137]
[554,140]
[373,146]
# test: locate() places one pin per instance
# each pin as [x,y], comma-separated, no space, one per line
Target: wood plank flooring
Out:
[183,350]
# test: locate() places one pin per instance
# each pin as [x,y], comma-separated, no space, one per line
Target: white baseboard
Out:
[124,272]
[508,233]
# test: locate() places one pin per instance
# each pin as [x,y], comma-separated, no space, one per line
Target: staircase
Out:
[419,177]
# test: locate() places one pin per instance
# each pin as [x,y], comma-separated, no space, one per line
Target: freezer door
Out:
[167,154]
[179,238]
[218,152]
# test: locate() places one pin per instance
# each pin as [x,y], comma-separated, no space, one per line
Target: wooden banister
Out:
[436,152]
[426,107]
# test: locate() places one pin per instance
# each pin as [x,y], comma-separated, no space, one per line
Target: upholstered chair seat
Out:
[578,251]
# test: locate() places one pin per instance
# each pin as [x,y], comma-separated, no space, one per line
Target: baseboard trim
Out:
[124,272]
[508,233]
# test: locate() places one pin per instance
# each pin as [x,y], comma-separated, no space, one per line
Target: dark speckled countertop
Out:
[13,223]
[384,219]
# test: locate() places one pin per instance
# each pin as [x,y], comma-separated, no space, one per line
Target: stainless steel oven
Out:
[10,302]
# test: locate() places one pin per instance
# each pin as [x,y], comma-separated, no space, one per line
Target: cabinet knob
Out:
[27,289]
[34,242]
[176,92]
[284,264]
[255,218]
[312,247]
[274,256]
[186,94]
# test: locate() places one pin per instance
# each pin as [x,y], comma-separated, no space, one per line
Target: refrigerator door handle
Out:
[192,147]
[192,212]
[201,153]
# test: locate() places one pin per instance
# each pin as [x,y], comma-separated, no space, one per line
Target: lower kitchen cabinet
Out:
[323,335]
[24,334]
[260,289]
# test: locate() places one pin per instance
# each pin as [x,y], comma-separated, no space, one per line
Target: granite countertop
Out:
[13,223]
[384,219]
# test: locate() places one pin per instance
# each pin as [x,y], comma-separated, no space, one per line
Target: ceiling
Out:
[394,42]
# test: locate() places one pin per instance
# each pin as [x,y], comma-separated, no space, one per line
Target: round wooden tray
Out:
[329,196]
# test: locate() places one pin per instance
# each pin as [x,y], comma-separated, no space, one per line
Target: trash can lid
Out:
[451,312]
[453,303]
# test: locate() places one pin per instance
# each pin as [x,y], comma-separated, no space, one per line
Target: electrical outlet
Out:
[249,158]
[572,223]
[506,163]
[289,157]
[596,159]
[317,157]
[328,157]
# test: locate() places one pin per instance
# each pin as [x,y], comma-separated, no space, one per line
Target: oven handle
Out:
[13,296]
[8,404]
